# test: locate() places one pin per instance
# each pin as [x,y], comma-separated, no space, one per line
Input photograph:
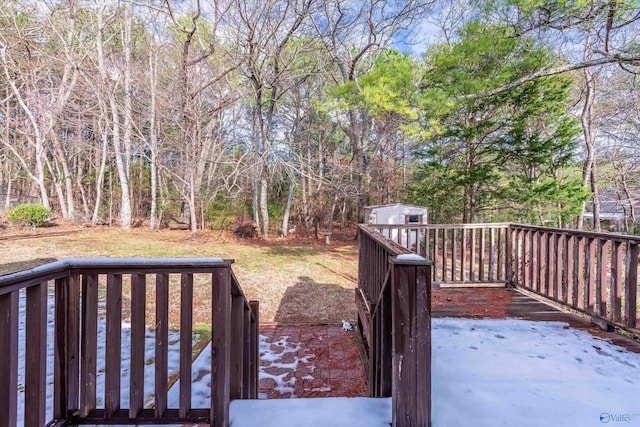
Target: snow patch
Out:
[410,257]
[271,355]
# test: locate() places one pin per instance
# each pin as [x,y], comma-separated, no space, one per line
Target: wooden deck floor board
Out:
[512,303]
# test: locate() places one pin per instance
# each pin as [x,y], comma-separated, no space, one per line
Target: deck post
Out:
[220,346]
[411,342]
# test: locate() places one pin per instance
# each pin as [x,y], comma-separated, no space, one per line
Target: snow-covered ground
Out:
[484,373]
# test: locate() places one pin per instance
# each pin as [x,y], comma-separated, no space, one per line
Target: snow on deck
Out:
[318,412]
[485,372]
[517,372]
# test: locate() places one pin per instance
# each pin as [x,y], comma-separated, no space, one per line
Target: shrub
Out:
[245,228]
[35,215]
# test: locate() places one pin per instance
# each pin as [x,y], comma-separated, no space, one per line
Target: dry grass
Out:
[295,280]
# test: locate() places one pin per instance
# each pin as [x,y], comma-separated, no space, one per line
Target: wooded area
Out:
[300,113]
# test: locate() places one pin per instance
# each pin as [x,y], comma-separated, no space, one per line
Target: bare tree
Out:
[263,32]
[197,80]
[26,60]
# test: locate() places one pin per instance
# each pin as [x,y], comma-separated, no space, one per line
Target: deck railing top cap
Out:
[393,247]
[122,263]
[409,259]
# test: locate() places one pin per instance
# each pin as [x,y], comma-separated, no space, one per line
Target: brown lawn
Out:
[295,279]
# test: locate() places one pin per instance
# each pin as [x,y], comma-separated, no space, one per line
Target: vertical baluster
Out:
[385,351]
[601,283]
[631,285]
[463,254]
[526,258]
[246,351]
[138,330]
[567,282]
[66,357]
[492,253]
[162,345]
[557,264]
[590,272]
[472,262]
[445,241]
[535,261]
[508,256]
[89,343]
[35,356]
[454,254]
[373,356]
[113,345]
[255,348]
[9,359]
[546,282]
[579,274]
[553,265]
[481,253]
[616,281]
[186,346]
[436,252]
[235,373]
[427,244]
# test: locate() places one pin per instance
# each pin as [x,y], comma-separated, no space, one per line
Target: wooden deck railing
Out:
[594,273]
[394,324]
[76,284]
[461,253]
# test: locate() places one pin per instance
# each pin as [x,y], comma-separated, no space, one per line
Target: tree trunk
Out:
[630,210]
[125,199]
[343,217]
[112,120]
[264,202]
[586,119]
[123,158]
[192,207]
[287,208]
[153,137]
[62,160]
[100,180]
[57,185]
[7,200]
[595,198]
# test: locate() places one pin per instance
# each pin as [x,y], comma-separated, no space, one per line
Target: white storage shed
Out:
[398,214]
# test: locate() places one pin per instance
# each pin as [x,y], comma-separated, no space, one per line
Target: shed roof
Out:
[390,205]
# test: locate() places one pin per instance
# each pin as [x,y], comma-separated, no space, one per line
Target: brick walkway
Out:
[309,361]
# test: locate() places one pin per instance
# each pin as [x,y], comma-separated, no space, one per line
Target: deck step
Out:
[312,412]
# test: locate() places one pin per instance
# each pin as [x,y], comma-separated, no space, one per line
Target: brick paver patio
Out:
[309,361]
